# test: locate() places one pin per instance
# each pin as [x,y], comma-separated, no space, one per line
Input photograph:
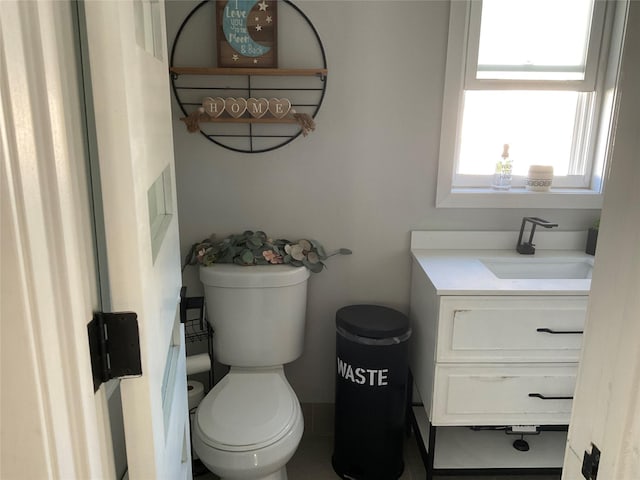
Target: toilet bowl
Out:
[250,424]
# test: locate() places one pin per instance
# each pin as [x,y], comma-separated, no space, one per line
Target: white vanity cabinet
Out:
[486,362]
[517,356]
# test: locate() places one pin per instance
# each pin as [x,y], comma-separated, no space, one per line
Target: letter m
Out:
[256,108]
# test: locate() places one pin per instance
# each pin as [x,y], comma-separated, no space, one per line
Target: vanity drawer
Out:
[535,394]
[511,329]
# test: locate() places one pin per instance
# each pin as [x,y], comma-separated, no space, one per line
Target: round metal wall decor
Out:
[260,102]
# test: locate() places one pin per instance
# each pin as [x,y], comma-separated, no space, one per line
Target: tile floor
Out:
[312,460]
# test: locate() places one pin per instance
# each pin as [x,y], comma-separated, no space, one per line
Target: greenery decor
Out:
[256,248]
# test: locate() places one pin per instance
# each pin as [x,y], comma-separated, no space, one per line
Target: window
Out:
[538,75]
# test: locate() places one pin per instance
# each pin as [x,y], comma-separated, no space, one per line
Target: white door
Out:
[53,424]
[127,57]
[606,409]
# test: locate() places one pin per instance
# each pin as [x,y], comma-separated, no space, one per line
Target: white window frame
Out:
[601,75]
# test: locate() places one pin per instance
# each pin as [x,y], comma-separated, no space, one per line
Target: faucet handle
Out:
[541,222]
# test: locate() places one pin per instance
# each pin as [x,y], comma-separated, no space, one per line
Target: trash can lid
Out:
[372,321]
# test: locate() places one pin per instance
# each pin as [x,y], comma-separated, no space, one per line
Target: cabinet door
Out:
[511,329]
[525,394]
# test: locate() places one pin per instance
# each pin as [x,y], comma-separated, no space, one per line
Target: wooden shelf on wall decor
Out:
[244,120]
[284,72]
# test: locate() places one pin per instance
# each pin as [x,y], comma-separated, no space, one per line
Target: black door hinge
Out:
[590,463]
[114,345]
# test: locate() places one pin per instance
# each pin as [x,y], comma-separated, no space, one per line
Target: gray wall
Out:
[363,180]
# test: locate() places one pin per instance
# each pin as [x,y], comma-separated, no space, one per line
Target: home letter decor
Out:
[235,106]
[279,107]
[214,107]
[257,106]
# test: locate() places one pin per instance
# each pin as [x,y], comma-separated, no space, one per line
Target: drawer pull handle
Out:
[559,332]
[545,397]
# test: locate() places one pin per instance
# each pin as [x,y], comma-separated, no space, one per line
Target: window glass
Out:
[537,125]
[534,39]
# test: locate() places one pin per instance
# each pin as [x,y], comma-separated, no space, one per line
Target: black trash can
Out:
[371,392]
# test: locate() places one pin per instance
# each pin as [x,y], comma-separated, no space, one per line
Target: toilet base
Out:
[279,475]
[266,462]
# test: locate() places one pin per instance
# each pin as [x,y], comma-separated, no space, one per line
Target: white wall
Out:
[363,180]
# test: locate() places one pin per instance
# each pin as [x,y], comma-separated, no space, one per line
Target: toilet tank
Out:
[257,312]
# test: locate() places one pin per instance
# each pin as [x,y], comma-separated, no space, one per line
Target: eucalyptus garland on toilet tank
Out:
[256,248]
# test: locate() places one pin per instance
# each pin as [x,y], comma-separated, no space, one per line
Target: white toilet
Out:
[250,424]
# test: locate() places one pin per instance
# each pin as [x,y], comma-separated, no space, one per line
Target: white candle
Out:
[540,178]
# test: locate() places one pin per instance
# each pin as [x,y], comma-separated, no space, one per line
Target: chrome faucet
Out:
[528,248]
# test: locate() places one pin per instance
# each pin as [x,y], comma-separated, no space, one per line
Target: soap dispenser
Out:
[502,174]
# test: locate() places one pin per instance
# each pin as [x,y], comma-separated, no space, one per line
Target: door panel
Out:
[130,87]
[53,425]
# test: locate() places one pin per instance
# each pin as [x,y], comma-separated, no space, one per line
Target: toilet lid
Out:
[247,411]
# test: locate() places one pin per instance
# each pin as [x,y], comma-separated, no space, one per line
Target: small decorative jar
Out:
[540,178]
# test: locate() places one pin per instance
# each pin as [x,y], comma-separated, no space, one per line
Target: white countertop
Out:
[460,271]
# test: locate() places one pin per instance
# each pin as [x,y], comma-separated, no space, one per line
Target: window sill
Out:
[519,198]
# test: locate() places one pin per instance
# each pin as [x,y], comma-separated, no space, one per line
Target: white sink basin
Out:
[543,268]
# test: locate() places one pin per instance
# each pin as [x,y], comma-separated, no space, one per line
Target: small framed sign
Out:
[247,33]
